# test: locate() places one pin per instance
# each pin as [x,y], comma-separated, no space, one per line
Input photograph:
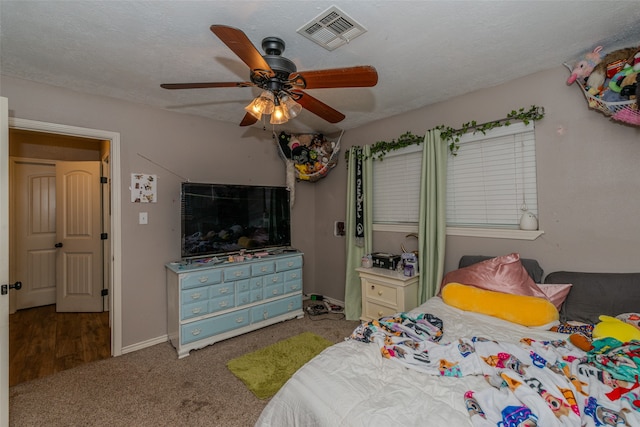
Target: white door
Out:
[33,190]
[4,262]
[78,228]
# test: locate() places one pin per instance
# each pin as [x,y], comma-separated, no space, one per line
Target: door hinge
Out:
[104,236]
[104,292]
[104,180]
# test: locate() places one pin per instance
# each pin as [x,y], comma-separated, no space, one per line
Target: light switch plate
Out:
[142,218]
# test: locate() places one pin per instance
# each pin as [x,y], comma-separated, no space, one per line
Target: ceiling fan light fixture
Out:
[263,104]
[280,114]
[293,108]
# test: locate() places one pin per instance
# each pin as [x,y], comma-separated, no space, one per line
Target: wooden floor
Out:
[43,342]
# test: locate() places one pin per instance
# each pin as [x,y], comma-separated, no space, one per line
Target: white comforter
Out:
[350,384]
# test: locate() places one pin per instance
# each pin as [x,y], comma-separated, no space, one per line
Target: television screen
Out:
[222,218]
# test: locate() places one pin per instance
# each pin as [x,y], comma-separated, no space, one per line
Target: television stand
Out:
[209,303]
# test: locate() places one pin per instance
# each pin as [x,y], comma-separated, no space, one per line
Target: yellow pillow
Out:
[522,309]
[615,328]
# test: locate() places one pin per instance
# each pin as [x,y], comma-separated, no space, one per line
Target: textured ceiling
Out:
[424,51]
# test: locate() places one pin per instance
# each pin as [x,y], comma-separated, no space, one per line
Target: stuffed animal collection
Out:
[612,77]
[311,153]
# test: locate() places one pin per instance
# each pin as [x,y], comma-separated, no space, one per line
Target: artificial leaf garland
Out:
[381,148]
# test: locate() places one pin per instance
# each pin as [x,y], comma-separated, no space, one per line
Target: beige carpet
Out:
[151,387]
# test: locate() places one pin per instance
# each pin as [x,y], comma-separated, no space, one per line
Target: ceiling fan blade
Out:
[360,76]
[318,107]
[204,85]
[240,44]
[248,120]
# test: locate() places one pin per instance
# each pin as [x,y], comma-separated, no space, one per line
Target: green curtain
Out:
[357,247]
[432,227]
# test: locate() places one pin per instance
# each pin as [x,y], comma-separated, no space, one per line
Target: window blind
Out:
[396,186]
[492,177]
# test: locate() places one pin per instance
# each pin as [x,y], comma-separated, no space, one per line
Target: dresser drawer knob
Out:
[196,296]
[379,292]
[274,292]
[196,310]
[223,303]
[238,273]
[294,276]
[290,264]
[203,279]
[196,332]
[224,290]
[263,269]
[274,280]
[379,314]
[240,320]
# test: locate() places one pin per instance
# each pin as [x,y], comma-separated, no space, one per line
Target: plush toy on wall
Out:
[583,68]
[598,76]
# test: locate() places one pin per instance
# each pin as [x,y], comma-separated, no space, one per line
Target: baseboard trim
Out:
[144,344]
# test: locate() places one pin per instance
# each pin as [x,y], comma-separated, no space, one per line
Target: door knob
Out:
[5,288]
[58,245]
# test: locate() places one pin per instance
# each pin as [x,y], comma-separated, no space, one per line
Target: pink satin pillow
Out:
[501,274]
[555,293]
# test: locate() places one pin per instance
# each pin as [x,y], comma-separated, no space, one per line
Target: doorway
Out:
[58,252]
[111,161]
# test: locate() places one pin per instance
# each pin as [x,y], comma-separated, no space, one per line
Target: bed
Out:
[351,384]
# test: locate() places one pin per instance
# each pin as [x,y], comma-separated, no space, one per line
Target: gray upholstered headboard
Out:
[593,294]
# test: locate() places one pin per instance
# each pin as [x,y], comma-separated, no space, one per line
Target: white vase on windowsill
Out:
[528,221]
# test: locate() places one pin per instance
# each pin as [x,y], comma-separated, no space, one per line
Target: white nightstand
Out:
[386,292]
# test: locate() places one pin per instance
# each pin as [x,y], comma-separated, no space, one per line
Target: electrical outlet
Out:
[338,228]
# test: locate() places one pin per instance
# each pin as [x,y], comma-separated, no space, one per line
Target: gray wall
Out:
[588,181]
[178,145]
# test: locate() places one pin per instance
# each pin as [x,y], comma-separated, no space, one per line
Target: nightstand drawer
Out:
[382,293]
[375,311]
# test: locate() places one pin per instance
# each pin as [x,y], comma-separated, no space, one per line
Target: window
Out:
[488,182]
[492,177]
[396,186]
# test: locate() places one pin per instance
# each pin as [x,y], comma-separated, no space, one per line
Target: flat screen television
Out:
[220,219]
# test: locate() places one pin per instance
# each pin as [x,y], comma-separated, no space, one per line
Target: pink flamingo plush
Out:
[585,66]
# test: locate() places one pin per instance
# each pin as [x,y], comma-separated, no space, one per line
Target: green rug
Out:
[265,370]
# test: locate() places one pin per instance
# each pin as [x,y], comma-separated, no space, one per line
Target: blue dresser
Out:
[209,302]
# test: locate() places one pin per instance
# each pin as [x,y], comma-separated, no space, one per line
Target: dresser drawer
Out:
[221,303]
[200,329]
[293,275]
[243,286]
[292,286]
[256,283]
[275,308]
[382,293]
[273,290]
[195,309]
[375,311]
[197,294]
[263,268]
[236,273]
[222,289]
[243,298]
[273,279]
[200,278]
[289,263]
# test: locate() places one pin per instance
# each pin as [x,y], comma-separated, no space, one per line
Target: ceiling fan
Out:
[283,96]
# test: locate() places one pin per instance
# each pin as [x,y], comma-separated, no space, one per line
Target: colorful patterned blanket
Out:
[534,383]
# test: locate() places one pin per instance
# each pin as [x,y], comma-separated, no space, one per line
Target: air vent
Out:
[331,29]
